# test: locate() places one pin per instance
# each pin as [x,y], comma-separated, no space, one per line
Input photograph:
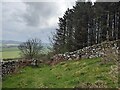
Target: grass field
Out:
[11,52]
[66,74]
[10,49]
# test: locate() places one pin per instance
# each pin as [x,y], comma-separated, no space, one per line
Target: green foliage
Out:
[67,74]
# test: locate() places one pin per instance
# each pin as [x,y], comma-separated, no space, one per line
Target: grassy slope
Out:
[66,74]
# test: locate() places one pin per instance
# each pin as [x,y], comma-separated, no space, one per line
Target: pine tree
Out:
[86,24]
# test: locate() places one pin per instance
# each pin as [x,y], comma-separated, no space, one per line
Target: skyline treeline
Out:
[86,24]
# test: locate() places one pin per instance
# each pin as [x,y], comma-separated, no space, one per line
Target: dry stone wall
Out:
[13,66]
[107,50]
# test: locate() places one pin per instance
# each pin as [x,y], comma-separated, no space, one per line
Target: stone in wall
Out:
[111,52]
[13,66]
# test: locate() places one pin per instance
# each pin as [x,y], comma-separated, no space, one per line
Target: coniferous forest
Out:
[87,24]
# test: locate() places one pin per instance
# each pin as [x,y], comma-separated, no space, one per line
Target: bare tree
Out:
[31,48]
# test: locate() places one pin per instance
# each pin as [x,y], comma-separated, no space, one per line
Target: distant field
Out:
[10,49]
[11,52]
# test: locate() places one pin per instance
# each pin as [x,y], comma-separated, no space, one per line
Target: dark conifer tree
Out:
[86,24]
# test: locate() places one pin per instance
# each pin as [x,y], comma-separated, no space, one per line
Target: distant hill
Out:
[12,43]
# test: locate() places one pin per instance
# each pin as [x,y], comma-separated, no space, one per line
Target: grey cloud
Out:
[38,12]
[21,21]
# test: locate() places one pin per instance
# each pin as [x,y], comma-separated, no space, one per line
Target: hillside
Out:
[67,74]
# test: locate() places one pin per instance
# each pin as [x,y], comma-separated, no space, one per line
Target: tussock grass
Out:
[67,74]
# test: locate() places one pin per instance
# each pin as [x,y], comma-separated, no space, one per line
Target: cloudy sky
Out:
[24,20]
